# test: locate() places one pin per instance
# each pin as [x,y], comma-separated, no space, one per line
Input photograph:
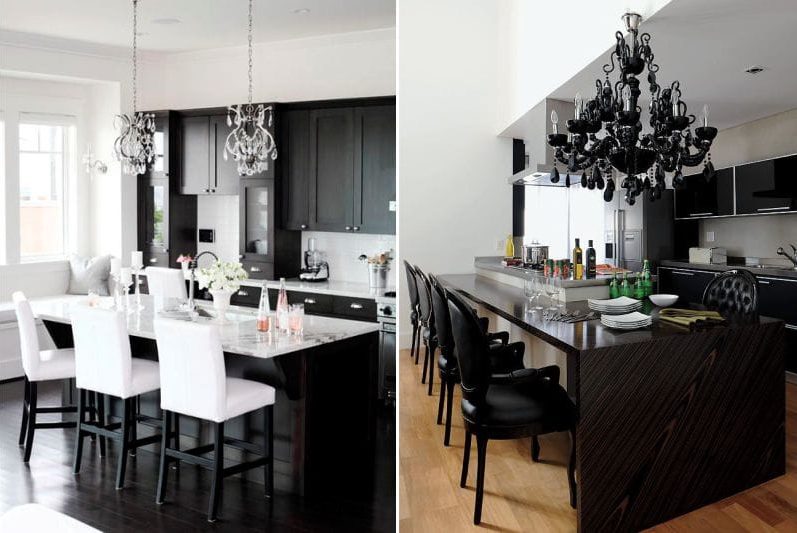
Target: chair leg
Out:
[125,443]
[31,420]
[135,404]
[431,368]
[535,449]
[425,363]
[268,413]
[163,470]
[449,403]
[92,409]
[175,423]
[414,340]
[571,469]
[79,436]
[418,343]
[25,407]
[218,467]
[463,479]
[443,385]
[481,449]
[102,420]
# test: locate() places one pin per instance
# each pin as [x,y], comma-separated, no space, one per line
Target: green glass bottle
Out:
[647,281]
[625,288]
[614,287]
[639,287]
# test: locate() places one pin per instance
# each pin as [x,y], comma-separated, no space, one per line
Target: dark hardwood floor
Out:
[91,497]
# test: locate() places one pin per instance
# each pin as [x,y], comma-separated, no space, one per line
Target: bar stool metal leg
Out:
[31,420]
[163,470]
[268,413]
[125,444]
[25,408]
[218,471]
[81,406]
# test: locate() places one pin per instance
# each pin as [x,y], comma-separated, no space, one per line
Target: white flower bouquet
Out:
[221,276]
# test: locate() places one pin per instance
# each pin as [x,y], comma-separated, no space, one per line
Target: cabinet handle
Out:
[762,282]
[348,228]
[243,293]
[309,301]
[700,214]
[776,279]
[356,306]
[153,260]
[254,269]
[680,273]
[356,228]
[790,326]
[303,226]
[240,256]
[764,209]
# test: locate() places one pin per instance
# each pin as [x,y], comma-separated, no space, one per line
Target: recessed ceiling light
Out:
[166,21]
[301,11]
[755,69]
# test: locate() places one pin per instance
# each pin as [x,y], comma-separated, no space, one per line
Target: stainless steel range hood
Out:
[540,155]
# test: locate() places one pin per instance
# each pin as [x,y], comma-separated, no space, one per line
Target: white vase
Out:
[221,302]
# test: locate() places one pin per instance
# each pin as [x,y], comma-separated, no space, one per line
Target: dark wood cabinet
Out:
[166,218]
[295,161]
[767,187]
[375,169]
[331,199]
[339,173]
[688,284]
[701,198]
[224,175]
[195,155]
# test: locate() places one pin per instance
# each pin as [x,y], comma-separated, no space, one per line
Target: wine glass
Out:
[551,291]
[538,285]
[528,289]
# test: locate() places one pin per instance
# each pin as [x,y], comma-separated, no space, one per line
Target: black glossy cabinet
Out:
[767,186]
[166,218]
[701,198]
[689,285]
[339,167]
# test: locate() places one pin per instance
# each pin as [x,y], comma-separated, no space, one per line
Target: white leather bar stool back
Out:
[165,284]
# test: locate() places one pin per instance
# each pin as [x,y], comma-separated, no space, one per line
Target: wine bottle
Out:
[282,306]
[647,282]
[263,311]
[614,287]
[592,271]
[510,246]
[578,262]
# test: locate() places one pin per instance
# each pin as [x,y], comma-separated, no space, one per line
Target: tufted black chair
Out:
[504,358]
[523,403]
[412,288]
[734,294]
[428,331]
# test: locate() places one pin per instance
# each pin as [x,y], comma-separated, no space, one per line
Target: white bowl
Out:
[663,300]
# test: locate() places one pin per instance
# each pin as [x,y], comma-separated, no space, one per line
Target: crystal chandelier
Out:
[134,147]
[668,147]
[250,143]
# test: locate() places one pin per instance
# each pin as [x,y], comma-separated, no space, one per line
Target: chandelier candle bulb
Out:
[555,121]
[705,115]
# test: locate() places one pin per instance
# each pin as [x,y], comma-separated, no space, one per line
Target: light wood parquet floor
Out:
[525,496]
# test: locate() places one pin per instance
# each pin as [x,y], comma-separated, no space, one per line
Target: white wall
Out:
[758,236]
[454,202]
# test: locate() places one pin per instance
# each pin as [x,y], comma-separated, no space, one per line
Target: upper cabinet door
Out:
[331,169]
[375,169]
[224,176]
[256,223]
[294,149]
[767,186]
[195,156]
[701,198]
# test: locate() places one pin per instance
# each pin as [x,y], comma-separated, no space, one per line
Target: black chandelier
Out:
[669,147]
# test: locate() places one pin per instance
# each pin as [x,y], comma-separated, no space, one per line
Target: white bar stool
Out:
[39,365]
[104,364]
[165,284]
[194,382]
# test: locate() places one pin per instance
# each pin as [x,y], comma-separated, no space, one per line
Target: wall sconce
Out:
[91,163]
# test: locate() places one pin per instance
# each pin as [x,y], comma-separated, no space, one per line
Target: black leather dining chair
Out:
[523,403]
[734,294]
[412,288]
[504,357]
[428,332]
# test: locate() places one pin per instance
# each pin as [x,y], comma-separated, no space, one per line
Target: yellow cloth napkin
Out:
[690,317]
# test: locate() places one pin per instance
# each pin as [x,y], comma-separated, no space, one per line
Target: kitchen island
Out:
[670,420]
[325,410]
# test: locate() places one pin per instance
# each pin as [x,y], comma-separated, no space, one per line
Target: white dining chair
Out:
[194,382]
[104,364]
[39,365]
[165,284]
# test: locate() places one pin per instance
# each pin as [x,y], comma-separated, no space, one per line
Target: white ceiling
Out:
[707,45]
[203,23]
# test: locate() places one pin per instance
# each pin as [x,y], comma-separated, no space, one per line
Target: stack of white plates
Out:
[633,320]
[615,306]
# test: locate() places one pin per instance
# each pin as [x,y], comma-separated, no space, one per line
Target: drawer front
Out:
[689,285]
[258,270]
[355,308]
[314,304]
[156,259]
[778,298]
[246,296]
[791,348]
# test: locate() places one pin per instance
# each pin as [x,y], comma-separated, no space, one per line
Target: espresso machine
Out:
[315,268]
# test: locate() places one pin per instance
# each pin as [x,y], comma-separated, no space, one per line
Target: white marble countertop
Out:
[332,287]
[238,332]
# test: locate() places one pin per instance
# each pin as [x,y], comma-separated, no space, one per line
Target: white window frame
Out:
[14,108]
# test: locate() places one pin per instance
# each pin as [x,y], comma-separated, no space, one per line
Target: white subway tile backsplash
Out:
[341,250]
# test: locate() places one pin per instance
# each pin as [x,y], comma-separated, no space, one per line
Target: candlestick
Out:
[137,260]
[116,264]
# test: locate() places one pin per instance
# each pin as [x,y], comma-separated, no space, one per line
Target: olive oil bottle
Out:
[578,261]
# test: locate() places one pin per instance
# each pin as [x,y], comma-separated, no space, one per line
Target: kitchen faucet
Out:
[792,258]
[192,267]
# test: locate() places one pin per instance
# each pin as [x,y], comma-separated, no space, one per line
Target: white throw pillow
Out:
[89,274]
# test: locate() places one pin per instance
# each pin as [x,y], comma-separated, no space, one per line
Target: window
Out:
[46,159]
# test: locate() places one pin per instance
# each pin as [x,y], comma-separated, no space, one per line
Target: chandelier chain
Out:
[135,47]
[250,51]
